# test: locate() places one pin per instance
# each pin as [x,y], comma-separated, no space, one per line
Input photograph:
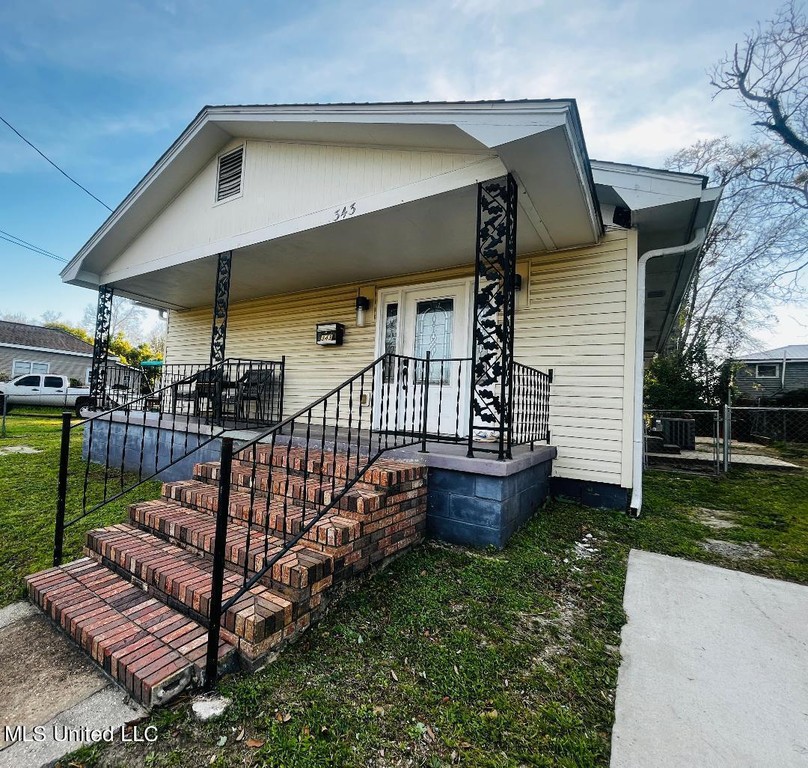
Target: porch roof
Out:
[425,225]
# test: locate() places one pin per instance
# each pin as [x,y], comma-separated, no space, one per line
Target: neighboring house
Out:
[28,348]
[772,372]
[319,204]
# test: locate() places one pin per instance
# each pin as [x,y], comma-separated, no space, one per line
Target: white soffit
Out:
[641,188]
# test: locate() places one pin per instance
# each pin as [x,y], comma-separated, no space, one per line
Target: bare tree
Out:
[127,319]
[768,73]
[16,317]
[752,257]
[50,316]
[156,339]
[756,254]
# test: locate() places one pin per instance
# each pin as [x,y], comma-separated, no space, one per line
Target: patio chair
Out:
[253,396]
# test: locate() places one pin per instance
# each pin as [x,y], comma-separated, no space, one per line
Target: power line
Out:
[64,173]
[14,240]
[20,241]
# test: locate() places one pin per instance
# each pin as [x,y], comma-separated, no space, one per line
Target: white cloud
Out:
[789,325]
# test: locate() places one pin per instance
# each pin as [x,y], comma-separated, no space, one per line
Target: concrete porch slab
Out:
[714,671]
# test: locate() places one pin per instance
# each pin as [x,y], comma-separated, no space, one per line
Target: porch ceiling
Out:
[428,234]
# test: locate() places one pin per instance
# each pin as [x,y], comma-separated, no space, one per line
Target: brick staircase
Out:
[138,602]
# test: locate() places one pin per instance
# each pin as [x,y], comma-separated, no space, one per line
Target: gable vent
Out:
[228,182]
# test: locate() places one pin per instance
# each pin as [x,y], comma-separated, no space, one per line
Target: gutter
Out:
[635,505]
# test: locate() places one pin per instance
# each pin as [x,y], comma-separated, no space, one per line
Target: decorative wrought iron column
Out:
[221,300]
[218,335]
[103,322]
[494,301]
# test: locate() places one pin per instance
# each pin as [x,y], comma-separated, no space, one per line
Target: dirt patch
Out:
[718,519]
[735,550]
[9,450]
[41,673]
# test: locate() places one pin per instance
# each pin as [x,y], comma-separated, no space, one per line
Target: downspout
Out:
[635,505]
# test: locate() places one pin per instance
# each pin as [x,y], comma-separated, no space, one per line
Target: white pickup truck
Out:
[43,389]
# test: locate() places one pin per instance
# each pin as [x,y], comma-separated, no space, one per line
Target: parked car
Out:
[43,389]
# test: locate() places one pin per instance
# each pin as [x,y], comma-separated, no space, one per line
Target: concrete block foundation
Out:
[483,502]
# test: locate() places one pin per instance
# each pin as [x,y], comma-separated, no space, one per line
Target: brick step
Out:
[362,498]
[330,531]
[301,572]
[153,651]
[383,472]
[182,579]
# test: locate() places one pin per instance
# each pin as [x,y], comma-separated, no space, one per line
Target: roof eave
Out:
[209,115]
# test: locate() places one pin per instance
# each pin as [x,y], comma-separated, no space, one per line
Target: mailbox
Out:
[330,334]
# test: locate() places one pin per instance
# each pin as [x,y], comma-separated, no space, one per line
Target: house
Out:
[383,319]
[26,348]
[316,205]
[773,372]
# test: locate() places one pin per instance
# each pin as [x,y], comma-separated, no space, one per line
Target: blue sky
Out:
[104,86]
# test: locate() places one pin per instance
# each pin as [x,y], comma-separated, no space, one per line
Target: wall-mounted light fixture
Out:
[517,282]
[362,306]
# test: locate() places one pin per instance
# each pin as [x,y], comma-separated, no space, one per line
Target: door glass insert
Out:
[390,337]
[434,325]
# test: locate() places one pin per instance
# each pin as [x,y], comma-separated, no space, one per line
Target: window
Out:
[434,325]
[22,367]
[29,381]
[390,338]
[229,174]
[53,382]
[766,371]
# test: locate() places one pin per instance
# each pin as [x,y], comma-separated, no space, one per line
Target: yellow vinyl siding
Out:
[567,326]
[578,323]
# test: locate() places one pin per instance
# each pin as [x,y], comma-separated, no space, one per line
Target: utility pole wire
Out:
[64,173]
[22,244]
[20,241]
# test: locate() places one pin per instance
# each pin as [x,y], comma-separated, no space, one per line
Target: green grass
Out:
[797,453]
[28,484]
[450,656]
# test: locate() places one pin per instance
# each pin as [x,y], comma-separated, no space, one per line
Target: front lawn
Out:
[449,656]
[480,659]
[28,499]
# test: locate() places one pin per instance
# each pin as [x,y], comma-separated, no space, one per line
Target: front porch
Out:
[478,501]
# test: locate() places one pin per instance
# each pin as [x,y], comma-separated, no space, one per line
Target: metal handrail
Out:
[529,408]
[391,382]
[200,429]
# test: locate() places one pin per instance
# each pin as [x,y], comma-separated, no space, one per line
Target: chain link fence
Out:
[770,425]
[714,440]
[680,439]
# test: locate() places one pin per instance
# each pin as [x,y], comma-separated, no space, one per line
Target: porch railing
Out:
[126,445]
[530,405]
[394,402]
[238,393]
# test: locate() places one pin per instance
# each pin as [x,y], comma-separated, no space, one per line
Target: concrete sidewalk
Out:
[47,682]
[714,671]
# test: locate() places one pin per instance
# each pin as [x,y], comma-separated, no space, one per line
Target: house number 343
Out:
[345,212]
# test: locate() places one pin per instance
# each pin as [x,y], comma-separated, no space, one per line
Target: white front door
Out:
[414,321]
